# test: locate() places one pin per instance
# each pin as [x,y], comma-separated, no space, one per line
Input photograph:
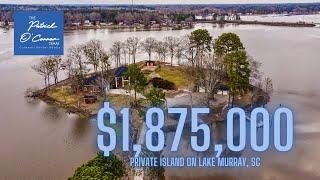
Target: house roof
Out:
[92,80]
[120,71]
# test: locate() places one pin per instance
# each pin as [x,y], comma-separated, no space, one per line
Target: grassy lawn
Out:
[174,74]
[64,95]
[119,101]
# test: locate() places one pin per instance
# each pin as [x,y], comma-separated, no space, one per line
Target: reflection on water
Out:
[52,113]
[80,128]
[32,101]
[45,143]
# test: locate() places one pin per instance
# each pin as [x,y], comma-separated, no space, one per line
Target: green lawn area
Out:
[174,74]
[119,101]
[64,95]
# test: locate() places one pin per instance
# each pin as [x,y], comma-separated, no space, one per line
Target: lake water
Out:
[43,142]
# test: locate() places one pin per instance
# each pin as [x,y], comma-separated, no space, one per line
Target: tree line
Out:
[126,17]
[209,62]
[222,62]
[125,52]
[80,60]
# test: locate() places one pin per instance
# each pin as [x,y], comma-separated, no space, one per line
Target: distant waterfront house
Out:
[87,23]
[120,81]
[198,17]
[76,24]
[155,26]
[232,17]
[218,17]
[208,17]
[221,17]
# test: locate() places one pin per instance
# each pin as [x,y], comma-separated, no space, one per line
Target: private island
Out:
[193,70]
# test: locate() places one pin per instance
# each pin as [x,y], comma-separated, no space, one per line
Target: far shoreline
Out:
[181,27]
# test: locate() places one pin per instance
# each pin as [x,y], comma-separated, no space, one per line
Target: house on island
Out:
[92,87]
[120,81]
[149,66]
[90,99]
[91,84]
[222,90]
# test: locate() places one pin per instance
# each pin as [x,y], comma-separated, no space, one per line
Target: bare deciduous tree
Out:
[115,52]
[256,93]
[148,45]
[104,73]
[78,67]
[158,49]
[190,50]
[55,66]
[41,70]
[44,68]
[67,63]
[125,52]
[133,45]
[180,50]
[268,85]
[161,49]
[212,76]
[93,50]
[255,75]
[171,43]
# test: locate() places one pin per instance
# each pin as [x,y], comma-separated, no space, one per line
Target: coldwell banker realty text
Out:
[38,33]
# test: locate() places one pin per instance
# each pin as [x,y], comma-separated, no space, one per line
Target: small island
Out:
[180,71]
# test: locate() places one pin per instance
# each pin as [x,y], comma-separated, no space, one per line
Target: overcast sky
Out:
[149,1]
